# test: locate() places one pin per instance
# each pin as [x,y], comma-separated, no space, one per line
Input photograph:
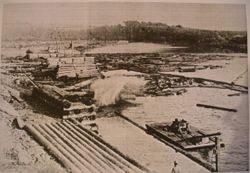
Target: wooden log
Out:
[82,157]
[131,164]
[65,149]
[31,81]
[212,83]
[80,85]
[97,145]
[234,94]
[20,122]
[216,107]
[52,149]
[84,151]
[82,115]
[13,97]
[104,154]
[77,105]
[51,100]
[89,146]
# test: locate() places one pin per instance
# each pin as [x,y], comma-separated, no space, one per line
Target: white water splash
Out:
[108,91]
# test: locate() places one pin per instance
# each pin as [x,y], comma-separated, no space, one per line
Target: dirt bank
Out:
[18,151]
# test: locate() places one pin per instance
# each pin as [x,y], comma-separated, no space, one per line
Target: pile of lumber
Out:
[45,73]
[77,71]
[23,67]
[63,102]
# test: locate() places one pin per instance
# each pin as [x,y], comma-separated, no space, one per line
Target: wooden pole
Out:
[217,154]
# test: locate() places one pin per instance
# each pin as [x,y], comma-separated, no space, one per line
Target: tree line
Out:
[135,31]
[195,39]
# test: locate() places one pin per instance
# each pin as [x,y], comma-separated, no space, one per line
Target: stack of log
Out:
[81,150]
[64,102]
[23,67]
[77,67]
[23,64]
[77,71]
[45,73]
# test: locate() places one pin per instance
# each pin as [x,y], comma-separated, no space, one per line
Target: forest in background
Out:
[135,31]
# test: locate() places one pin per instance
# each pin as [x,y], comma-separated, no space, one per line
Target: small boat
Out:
[182,135]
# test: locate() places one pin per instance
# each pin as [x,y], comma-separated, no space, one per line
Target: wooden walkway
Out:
[81,150]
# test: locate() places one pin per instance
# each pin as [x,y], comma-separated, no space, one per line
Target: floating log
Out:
[234,94]
[209,83]
[216,107]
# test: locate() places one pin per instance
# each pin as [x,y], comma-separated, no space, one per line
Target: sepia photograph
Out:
[124,87]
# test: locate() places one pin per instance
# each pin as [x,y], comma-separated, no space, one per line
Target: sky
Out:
[85,15]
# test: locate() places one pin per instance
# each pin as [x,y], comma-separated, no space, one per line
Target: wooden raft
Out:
[81,150]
